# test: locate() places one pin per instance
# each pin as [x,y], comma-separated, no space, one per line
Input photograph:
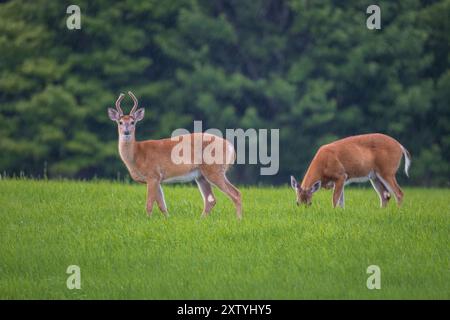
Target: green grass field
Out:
[278,250]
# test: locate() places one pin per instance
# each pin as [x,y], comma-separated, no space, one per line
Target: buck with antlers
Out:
[375,157]
[151,162]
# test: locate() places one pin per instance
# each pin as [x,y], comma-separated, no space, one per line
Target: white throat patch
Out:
[125,138]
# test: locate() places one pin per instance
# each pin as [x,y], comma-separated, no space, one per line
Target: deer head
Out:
[126,124]
[304,195]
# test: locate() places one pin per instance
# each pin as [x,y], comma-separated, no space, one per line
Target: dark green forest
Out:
[310,68]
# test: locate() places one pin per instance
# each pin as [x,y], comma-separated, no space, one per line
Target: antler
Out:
[135,102]
[119,99]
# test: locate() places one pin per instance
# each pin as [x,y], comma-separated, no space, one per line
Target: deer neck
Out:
[127,151]
[312,176]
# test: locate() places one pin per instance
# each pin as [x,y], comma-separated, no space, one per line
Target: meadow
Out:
[278,250]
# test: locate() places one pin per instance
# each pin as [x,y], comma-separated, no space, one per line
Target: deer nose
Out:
[126,132]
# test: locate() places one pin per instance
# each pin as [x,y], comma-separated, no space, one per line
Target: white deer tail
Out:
[407,156]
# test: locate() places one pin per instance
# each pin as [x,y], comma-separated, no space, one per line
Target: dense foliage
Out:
[310,68]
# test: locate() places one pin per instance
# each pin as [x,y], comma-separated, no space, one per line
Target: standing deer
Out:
[151,162]
[375,157]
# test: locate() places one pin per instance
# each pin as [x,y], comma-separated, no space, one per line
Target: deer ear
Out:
[139,114]
[113,114]
[294,183]
[316,186]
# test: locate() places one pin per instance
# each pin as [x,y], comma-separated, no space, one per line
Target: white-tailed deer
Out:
[375,157]
[151,162]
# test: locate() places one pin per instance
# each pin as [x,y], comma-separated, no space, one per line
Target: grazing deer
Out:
[151,162]
[375,157]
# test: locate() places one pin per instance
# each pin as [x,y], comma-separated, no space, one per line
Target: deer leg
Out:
[391,184]
[152,194]
[221,182]
[209,200]
[237,199]
[338,190]
[161,201]
[397,190]
[382,191]
[341,202]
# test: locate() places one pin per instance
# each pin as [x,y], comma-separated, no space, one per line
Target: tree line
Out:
[309,68]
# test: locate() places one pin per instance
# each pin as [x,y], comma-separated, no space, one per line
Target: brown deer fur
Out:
[375,157]
[150,162]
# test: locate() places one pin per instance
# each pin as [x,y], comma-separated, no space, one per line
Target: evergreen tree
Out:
[310,68]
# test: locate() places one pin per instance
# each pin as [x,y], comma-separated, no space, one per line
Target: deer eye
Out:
[132,122]
[121,122]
